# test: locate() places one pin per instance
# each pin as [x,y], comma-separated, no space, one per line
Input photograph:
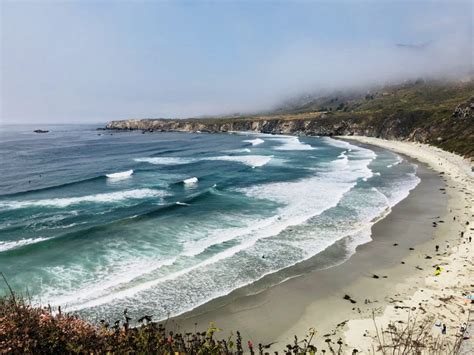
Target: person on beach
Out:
[443,331]
[250,345]
[437,271]
[437,248]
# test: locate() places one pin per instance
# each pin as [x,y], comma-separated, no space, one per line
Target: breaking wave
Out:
[255,141]
[110,197]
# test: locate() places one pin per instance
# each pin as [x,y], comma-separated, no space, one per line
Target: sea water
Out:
[159,223]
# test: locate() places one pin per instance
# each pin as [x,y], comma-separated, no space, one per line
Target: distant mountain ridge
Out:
[434,112]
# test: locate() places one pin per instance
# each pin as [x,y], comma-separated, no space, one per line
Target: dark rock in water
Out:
[40,131]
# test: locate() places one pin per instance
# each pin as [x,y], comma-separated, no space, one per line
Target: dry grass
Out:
[25,329]
[413,337]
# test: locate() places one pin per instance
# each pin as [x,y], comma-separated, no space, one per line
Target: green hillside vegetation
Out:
[420,111]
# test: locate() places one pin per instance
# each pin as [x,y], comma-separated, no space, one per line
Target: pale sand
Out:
[315,298]
[435,297]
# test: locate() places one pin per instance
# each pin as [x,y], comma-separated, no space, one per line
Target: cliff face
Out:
[434,114]
[452,133]
[274,126]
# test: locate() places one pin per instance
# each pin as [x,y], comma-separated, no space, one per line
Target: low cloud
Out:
[58,66]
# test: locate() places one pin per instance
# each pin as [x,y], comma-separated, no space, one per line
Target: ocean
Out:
[160,223]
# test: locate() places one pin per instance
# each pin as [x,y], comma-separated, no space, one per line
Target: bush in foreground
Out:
[28,329]
[37,330]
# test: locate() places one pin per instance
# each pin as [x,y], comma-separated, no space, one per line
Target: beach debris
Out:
[342,324]
[349,298]
[446,299]
[403,307]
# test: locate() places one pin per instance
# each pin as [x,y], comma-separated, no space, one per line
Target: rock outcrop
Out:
[438,114]
[452,133]
[465,110]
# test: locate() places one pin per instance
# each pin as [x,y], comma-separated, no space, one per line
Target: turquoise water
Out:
[99,221]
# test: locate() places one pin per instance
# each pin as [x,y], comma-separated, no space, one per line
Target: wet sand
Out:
[316,297]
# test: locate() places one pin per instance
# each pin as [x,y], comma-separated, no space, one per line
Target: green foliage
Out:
[417,111]
[38,330]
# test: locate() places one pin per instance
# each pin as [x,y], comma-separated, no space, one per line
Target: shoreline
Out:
[433,298]
[315,298]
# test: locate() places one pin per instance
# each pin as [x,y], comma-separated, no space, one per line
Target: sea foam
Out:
[7,245]
[190,181]
[250,160]
[120,175]
[255,141]
[398,161]
[165,160]
[291,143]
[110,197]
[321,193]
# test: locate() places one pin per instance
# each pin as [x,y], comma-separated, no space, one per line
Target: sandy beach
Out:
[402,256]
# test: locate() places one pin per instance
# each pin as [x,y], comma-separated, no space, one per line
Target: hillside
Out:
[438,113]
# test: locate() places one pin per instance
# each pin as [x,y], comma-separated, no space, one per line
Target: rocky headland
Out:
[436,113]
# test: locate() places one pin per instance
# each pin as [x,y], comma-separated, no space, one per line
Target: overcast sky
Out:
[92,61]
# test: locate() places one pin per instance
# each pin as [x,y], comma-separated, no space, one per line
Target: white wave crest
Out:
[190,181]
[7,245]
[320,193]
[399,161]
[250,160]
[255,141]
[244,150]
[125,274]
[165,160]
[110,197]
[120,175]
[291,143]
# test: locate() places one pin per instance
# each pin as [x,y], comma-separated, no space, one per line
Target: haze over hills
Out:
[82,62]
[436,111]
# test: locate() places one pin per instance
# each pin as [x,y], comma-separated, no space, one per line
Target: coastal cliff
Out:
[440,114]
